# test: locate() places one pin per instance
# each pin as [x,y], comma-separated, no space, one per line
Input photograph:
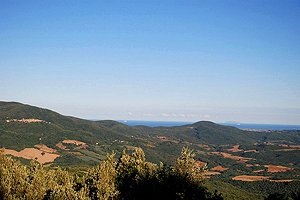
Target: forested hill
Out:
[232,156]
[44,126]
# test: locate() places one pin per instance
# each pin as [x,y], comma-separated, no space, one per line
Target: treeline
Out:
[128,177]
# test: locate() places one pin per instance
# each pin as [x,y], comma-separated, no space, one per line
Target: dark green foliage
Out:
[166,185]
[267,187]
[277,196]
[284,196]
[230,192]
[129,177]
[138,179]
[295,195]
[71,160]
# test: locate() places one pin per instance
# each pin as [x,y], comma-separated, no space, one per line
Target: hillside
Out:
[232,155]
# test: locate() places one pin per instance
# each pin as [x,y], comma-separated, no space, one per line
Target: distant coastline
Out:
[237,125]
[153,123]
[263,126]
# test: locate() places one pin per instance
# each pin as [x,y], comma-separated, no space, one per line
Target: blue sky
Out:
[154,60]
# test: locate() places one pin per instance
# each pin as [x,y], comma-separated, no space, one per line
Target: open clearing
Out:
[219,168]
[250,178]
[235,149]
[228,155]
[277,168]
[258,178]
[251,150]
[61,146]
[33,153]
[76,142]
[199,164]
[281,181]
[81,145]
[211,173]
[259,170]
[252,165]
[204,146]
[44,148]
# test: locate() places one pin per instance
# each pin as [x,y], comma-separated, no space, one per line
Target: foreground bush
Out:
[129,177]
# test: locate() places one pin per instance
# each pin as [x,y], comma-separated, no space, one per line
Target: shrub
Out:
[129,177]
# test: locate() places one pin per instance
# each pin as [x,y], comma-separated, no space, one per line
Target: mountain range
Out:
[112,135]
[230,154]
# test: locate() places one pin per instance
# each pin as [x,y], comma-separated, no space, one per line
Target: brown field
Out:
[210,173]
[200,164]
[291,149]
[219,168]
[250,178]
[44,148]
[251,150]
[47,165]
[277,168]
[32,153]
[288,147]
[258,171]
[61,146]
[204,146]
[281,181]
[235,148]
[252,165]
[228,155]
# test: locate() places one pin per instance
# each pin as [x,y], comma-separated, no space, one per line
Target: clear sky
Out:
[163,60]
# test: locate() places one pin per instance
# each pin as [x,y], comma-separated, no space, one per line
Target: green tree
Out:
[101,180]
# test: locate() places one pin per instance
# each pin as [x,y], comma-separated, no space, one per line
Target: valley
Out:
[233,156]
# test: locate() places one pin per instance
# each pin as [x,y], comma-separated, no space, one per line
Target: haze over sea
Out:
[237,125]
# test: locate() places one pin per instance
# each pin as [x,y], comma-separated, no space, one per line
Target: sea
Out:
[237,125]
